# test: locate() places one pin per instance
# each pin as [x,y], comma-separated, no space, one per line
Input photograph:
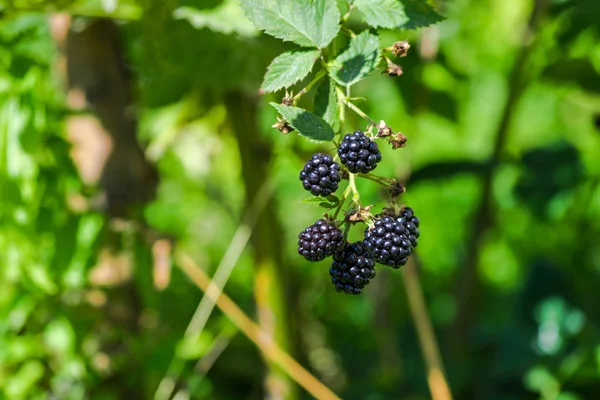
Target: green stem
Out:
[347,15]
[352,187]
[375,178]
[360,112]
[310,85]
[342,201]
[353,107]
[348,32]
[347,230]
[340,97]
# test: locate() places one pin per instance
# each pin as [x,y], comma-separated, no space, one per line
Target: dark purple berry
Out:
[352,268]
[388,241]
[319,240]
[411,223]
[321,175]
[359,153]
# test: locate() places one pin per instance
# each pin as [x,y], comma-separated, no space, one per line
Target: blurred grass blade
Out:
[207,304]
[255,333]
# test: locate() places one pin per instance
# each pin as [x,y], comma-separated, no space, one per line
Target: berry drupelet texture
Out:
[359,153]
[411,223]
[319,240]
[388,242]
[321,175]
[352,268]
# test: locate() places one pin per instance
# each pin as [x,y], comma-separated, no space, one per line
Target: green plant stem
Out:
[310,85]
[347,15]
[353,107]
[347,230]
[342,201]
[375,178]
[348,32]
[352,186]
[360,112]
[340,99]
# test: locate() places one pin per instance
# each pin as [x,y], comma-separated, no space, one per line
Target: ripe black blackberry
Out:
[411,223]
[319,240]
[388,241]
[359,153]
[321,175]
[352,268]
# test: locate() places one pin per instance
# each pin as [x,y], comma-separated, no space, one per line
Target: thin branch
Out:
[255,333]
[204,364]
[310,85]
[223,272]
[352,186]
[344,98]
[438,385]
[342,201]
[379,179]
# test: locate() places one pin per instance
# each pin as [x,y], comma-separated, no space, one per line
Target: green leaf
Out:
[382,13]
[326,104]
[420,14]
[409,14]
[306,123]
[358,61]
[308,23]
[328,203]
[288,68]
[227,18]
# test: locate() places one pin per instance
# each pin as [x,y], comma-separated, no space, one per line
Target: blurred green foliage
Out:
[536,330]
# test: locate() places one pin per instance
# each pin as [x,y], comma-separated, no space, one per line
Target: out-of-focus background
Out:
[130,129]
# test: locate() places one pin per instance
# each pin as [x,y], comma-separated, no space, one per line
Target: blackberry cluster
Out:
[359,153]
[408,219]
[319,240]
[352,268]
[388,241]
[321,175]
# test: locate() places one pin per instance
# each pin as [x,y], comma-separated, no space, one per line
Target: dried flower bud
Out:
[396,189]
[398,140]
[287,100]
[383,130]
[393,69]
[282,126]
[360,215]
[400,49]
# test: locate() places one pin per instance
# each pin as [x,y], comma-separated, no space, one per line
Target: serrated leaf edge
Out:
[298,79]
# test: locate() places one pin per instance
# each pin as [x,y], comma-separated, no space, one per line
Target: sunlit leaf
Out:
[288,68]
[226,18]
[306,123]
[358,61]
[308,23]
[408,14]
[328,202]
